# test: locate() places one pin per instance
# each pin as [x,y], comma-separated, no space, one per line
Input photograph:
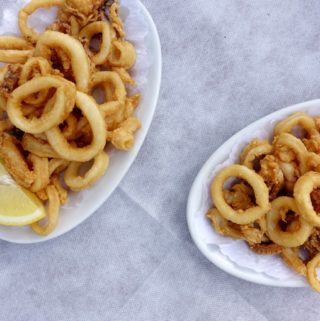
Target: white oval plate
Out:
[195,202]
[82,205]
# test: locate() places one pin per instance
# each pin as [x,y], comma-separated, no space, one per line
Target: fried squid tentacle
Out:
[14,161]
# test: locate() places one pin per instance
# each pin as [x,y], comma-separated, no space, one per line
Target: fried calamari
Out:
[286,172]
[51,124]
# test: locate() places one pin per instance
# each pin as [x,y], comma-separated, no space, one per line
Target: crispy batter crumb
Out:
[266,249]
[11,79]
[239,197]
[272,175]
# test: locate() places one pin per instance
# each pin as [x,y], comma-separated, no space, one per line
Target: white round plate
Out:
[195,202]
[82,205]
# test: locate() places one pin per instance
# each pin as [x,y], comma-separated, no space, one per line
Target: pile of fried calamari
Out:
[50,123]
[274,203]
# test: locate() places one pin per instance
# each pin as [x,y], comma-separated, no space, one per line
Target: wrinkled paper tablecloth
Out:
[225,64]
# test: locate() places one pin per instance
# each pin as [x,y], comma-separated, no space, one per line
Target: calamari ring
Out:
[302,190]
[291,257]
[14,49]
[259,187]
[254,150]
[76,182]
[116,100]
[286,238]
[28,10]
[52,213]
[122,54]
[35,66]
[115,93]
[94,28]
[297,119]
[75,51]
[223,226]
[41,169]
[296,146]
[81,154]
[312,273]
[38,147]
[64,100]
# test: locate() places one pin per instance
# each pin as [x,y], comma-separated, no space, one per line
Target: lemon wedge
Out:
[18,206]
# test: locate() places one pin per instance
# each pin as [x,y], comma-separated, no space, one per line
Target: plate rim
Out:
[217,258]
[157,56]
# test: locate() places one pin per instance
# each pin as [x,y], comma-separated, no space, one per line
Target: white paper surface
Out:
[236,250]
